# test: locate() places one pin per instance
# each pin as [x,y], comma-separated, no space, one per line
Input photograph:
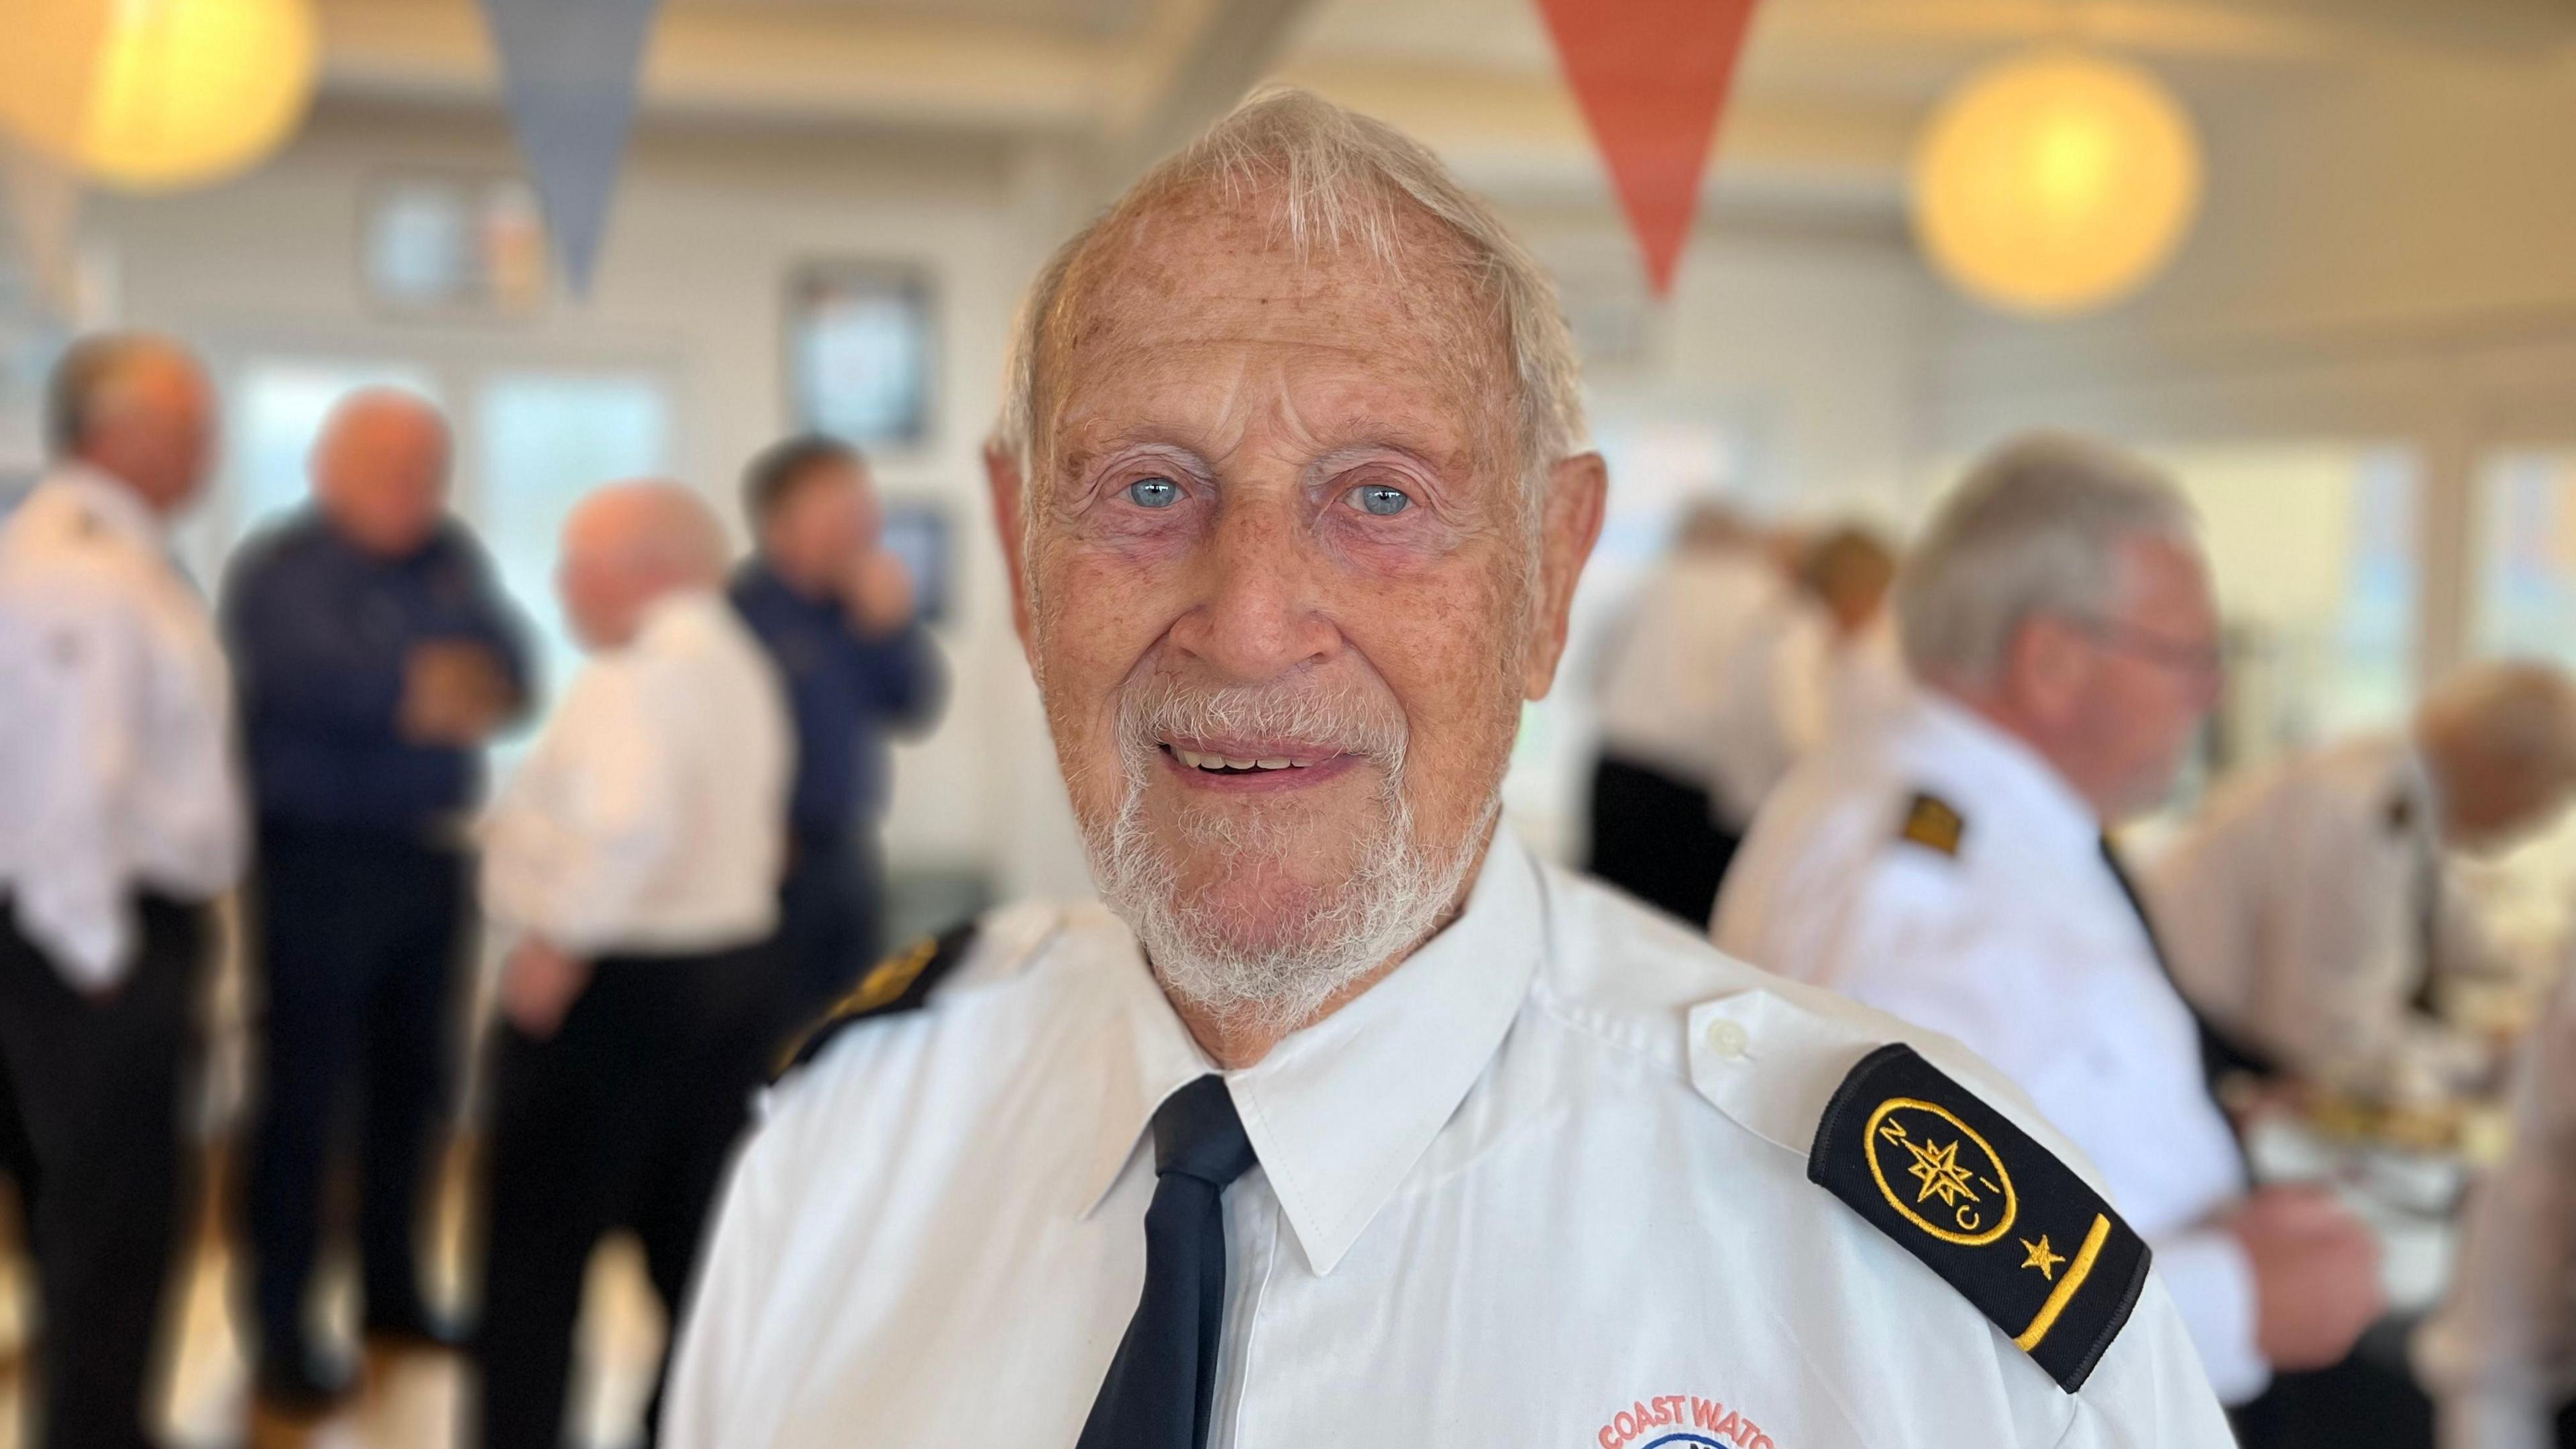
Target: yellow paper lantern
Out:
[180,92]
[2056,181]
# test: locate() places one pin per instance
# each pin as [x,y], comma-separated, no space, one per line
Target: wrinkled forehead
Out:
[1402,325]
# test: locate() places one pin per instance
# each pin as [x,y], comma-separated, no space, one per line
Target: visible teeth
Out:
[1198,761]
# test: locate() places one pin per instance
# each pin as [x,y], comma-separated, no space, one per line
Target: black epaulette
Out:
[1959,1186]
[1933,823]
[900,982]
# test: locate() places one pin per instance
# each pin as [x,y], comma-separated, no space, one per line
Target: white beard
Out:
[1259,970]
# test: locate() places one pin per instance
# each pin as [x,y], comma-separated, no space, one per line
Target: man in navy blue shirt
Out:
[375,655]
[836,610]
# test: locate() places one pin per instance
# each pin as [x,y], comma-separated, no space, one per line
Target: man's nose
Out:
[1260,579]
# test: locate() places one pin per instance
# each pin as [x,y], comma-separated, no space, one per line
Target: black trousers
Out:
[92,1088]
[827,920]
[358,933]
[1653,837]
[624,1118]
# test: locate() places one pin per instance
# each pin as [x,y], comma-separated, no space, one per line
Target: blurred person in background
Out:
[2499,1355]
[1693,722]
[376,656]
[2305,908]
[1953,868]
[1845,573]
[1348,1121]
[633,863]
[836,611]
[120,817]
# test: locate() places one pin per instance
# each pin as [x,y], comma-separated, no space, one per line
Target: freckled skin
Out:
[1265,397]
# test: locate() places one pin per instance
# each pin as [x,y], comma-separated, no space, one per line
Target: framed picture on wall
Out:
[862,347]
[454,243]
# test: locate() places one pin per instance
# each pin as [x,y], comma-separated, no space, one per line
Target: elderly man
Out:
[1951,867]
[376,655]
[633,861]
[119,819]
[2305,909]
[1347,1121]
[836,612]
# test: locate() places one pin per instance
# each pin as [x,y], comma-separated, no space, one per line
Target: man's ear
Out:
[1569,524]
[1002,477]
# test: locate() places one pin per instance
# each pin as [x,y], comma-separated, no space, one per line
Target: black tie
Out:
[2221,1055]
[1162,1382]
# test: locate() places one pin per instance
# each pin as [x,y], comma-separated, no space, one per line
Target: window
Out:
[2312,546]
[279,405]
[543,440]
[2526,581]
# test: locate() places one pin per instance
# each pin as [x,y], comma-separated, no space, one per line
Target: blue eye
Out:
[1379,499]
[1153,493]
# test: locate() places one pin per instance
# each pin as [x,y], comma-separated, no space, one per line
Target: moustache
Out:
[1305,721]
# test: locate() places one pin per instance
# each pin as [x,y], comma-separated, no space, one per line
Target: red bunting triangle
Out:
[1651,76]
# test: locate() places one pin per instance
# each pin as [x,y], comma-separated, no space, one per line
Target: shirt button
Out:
[1726,1039]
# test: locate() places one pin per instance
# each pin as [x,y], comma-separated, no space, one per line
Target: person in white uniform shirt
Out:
[1686,696]
[1951,867]
[1346,1121]
[634,862]
[121,816]
[2499,1356]
[2305,908]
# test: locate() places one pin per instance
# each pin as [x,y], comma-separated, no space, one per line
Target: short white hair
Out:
[2035,528]
[1340,178]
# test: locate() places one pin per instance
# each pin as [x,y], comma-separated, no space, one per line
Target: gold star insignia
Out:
[1939,1171]
[2041,1258]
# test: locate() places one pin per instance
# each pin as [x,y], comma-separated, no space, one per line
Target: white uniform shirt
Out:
[2293,910]
[2499,1356]
[1703,684]
[117,768]
[2023,947]
[650,816]
[1545,1180]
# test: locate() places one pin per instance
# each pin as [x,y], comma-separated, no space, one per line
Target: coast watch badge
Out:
[1999,1216]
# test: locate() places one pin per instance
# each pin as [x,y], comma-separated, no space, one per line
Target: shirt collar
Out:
[115,505]
[1339,1112]
[1993,771]
[676,615]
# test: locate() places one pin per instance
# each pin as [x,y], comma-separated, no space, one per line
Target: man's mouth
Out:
[1221,765]
[1268,761]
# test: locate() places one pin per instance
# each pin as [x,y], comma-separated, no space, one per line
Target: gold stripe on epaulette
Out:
[881,987]
[888,979]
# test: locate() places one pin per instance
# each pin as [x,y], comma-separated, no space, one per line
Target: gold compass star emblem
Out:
[1937,1168]
[2041,1258]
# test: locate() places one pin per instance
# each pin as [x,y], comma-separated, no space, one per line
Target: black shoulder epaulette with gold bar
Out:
[1934,823]
[900,982]
[2009,1225]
